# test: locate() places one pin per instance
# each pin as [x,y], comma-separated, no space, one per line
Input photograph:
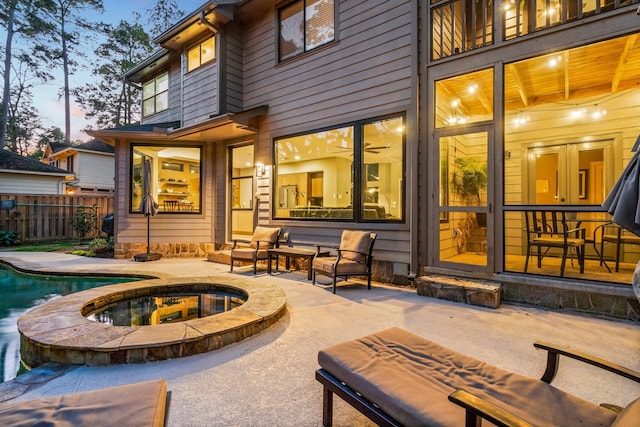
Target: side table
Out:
[294,252]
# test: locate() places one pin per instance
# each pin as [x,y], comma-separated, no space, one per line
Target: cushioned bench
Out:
[397,378]
[140,404]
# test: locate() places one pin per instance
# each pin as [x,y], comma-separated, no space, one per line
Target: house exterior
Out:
[323,115]
[92,162]
[23,175]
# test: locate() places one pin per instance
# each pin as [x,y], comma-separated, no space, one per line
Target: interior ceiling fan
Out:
[367,148]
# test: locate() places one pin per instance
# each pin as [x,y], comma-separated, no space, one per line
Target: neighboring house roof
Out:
[15,163]
[94,146]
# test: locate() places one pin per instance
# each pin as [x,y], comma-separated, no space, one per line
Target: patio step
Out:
[475,292]
[221,257]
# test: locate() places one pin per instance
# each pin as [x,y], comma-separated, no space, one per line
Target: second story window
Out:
[305,25]
[70,165]
[201,53]
[155,95]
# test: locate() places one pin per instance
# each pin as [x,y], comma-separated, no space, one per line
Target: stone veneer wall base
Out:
[482,293]
[168,250]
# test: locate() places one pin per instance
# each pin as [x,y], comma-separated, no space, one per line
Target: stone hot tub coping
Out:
[58,331]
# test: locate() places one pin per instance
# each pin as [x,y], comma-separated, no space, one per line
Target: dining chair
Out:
[549,229]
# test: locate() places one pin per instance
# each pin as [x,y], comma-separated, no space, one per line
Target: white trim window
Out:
[155,95]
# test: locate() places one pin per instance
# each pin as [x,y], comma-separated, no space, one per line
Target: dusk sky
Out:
[46,96]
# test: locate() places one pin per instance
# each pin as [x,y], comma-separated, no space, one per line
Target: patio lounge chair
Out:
[397,378]
[253,250]
[139,404]
[353,259]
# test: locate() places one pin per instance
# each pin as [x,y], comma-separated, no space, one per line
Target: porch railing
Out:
[461,25]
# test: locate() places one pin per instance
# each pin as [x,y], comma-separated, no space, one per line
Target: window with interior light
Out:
[352,172]
[567,144]
[464,99]
[201,54]
[565,149]
[175,182]
[305,25]
[155,95]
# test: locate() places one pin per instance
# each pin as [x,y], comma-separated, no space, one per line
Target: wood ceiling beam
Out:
[622,62]
[484,100]
[567,83]
[449,97]
[521,90]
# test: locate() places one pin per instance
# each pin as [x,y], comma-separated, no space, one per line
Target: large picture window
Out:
[305,25]
[325,174]
[175,177]
[563,152]
[155,95]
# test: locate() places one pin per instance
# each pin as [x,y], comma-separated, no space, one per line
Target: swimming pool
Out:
[21,292]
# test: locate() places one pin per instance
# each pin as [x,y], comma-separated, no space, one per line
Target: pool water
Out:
[165,308]
[19,292]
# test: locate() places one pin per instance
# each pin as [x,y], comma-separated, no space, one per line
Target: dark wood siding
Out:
[200,94]
[233,70]
[367,71]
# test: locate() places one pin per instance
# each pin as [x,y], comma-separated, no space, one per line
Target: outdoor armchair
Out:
[354,258]
[256,249]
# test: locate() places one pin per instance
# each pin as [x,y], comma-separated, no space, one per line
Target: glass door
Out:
[241,192]
[570,174]
[547,178]
[465,236]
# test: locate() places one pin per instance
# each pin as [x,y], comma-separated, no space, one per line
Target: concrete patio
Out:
[268,379]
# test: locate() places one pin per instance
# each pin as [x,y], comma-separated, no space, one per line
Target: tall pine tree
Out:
[70,28]
[109,100]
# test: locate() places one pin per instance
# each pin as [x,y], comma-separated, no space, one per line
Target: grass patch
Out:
[48,246]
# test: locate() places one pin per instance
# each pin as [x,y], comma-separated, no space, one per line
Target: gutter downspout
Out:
[208,24]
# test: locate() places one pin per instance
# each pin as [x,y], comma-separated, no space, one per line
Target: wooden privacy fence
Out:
[51,217]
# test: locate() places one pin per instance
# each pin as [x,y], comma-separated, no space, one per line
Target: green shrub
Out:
[85,220]
[8,238]
[82,252]
[100,244]
[102,247]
